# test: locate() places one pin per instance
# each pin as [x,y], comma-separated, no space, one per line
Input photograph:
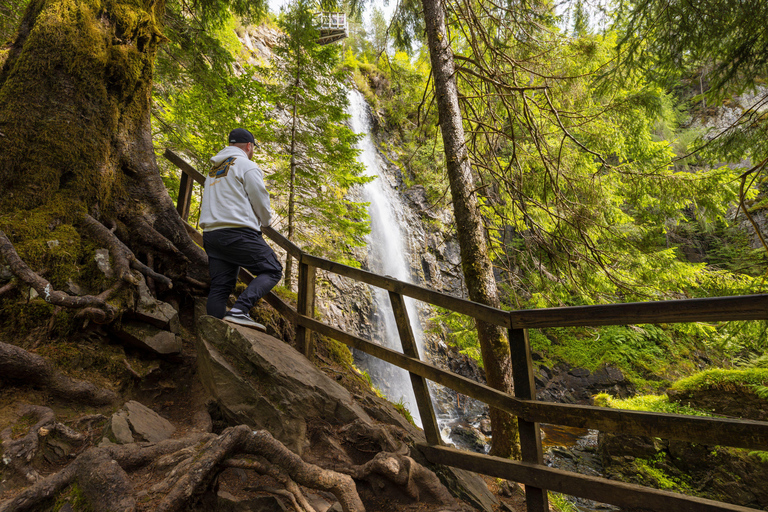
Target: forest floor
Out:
[174,391]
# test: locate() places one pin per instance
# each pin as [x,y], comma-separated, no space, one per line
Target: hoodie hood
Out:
[226,153]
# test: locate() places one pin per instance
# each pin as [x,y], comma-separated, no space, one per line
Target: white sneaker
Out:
[240,318]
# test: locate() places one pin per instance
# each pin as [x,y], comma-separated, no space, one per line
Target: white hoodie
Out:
[234,195]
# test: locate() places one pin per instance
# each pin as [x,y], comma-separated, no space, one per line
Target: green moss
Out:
[19,318]
[724,380]
[21,427]
[651,474]
[100,363]
[651,403]
[75,497]
[337,351]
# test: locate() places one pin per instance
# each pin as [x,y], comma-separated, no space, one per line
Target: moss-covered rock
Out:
[725,392]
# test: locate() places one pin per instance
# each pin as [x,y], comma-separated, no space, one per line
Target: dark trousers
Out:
[229,249]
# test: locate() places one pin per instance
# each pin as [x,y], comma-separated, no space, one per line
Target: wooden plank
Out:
[626,496]
[714,309]
[710,431]
[479,311]
[420,388]
[305,307]
[185,196]
[184,166]
[530,434]
[283,242]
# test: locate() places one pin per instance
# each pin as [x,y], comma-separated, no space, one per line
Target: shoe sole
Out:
[253,325]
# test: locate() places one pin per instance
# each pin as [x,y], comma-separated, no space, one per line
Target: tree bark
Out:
[75,96]
[475,262]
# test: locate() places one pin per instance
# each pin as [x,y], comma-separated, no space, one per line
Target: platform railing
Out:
[531,472]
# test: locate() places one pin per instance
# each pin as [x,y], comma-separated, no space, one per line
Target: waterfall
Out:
[388,255]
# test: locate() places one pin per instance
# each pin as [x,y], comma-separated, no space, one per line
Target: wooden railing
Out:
[531,472]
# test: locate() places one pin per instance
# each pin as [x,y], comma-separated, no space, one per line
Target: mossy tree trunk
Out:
[75,143]
[475,262]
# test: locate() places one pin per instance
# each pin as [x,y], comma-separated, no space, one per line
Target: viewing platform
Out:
[332,27]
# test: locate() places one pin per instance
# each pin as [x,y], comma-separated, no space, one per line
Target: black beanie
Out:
[240,135]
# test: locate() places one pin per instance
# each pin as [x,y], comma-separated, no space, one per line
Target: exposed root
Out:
[42,430]
[18,453]
[104,483]
[124,258]
[7,287]
[98,309]
[413,478]
[120,253]
[262,467]
[16,364]
[153,238]
[190,465]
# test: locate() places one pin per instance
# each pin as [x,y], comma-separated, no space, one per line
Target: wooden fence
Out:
[531,472]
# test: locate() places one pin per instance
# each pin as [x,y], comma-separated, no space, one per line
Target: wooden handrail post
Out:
[306,307]
[530,434]
[185,195]
[420,389]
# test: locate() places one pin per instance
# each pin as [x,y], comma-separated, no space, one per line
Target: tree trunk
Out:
[75,139]
[476,264]
[292,184]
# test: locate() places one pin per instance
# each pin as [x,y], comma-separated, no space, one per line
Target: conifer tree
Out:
[321,154]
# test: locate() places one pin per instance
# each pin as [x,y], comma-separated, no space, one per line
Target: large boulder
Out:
[260,381]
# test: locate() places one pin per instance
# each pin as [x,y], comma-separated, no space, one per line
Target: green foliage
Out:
[651,472]
[318,164]
[459,330]
[10,16]
[726,380]
[560,502]
[403,410]
[650,403]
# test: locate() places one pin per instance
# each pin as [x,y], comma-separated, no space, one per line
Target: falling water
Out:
[388,255]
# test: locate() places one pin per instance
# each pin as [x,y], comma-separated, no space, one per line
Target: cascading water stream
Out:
[389,256]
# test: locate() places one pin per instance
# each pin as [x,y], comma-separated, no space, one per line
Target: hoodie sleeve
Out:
[258,195]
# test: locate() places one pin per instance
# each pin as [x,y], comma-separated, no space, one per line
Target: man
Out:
[235,207]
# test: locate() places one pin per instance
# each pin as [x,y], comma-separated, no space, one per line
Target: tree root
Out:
[242,440]
[297,497]
[125,259]
[98,309]
[7,287]
[413,478]
[16,364]
[154,239]
[18,453]
[190,465]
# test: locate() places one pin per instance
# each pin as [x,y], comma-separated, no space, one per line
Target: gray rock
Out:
[148,337]
[120,428]
[155,312]
[102,262]
[134,423]
[260,381]
[146,423]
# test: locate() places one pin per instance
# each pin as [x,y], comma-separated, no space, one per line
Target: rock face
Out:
[713,472]
[566,384]
[724,474]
